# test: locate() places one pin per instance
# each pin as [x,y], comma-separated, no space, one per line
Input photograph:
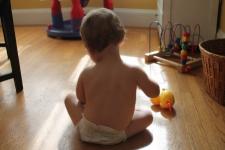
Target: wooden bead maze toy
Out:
[181,51]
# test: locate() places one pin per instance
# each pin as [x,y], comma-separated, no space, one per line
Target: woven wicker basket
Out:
[213,61]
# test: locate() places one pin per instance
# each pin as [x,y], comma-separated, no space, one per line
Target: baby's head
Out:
[100,28]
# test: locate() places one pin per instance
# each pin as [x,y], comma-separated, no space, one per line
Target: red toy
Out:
[69,28]
[108,4]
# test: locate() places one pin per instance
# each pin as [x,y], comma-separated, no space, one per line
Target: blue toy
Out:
[69,28]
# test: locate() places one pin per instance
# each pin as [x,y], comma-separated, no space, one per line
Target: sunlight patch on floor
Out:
[159,142]
[52,129]
[4,58]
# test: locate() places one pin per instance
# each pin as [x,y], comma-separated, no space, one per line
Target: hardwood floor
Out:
[37,119]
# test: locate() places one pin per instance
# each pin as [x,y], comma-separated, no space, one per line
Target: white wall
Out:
[191,12]
[42,16]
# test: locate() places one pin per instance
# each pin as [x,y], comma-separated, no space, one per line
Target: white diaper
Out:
[99,134]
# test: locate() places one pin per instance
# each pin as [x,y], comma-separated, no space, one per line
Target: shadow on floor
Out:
[165,112]
[70,141]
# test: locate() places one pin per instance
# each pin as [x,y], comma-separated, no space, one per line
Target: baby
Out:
[104,106]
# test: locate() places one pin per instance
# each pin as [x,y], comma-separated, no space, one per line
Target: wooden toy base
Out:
[174,60]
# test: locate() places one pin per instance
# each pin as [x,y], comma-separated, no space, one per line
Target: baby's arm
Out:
[75,103]
[80,90]
[148,86]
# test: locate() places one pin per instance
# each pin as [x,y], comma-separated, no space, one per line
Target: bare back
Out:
[110,93]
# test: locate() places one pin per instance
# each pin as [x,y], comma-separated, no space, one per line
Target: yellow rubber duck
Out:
[164,100]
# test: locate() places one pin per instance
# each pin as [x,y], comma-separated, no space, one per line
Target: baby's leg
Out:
[74,108]
[141,120]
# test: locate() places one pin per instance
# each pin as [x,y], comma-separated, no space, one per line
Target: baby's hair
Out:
[100,28]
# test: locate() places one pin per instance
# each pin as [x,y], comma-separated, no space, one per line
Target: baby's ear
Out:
[122,39]
[121,42]
[93,55]
[90,50]
[86,46]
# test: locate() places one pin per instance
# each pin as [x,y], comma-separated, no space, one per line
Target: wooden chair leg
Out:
[9,34]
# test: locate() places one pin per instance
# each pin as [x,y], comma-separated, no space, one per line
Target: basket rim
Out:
[210,53]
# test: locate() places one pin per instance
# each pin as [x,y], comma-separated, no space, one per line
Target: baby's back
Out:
[110,94]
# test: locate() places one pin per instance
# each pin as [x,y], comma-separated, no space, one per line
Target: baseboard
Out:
[220,34]
[130,17]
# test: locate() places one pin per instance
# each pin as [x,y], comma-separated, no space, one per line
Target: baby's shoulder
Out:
[86,71]
[133,72]
[133,69]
